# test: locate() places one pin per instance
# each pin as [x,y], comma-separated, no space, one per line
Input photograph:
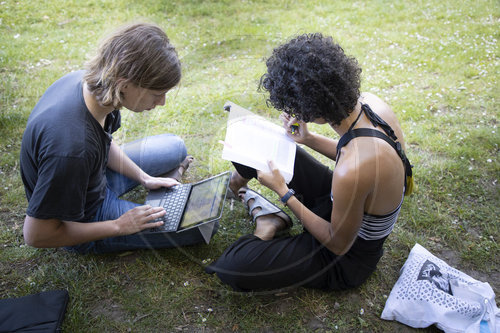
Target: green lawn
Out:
[435,62]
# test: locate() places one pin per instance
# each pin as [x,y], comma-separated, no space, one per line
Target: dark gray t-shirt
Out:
[64,154]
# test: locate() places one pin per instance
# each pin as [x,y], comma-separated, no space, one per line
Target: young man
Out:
[73,171]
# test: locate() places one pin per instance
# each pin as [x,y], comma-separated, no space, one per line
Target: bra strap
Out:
[377,121]
[356,120]
[394,144]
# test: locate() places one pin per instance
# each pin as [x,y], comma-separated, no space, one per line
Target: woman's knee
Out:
[237,280]
[234,271]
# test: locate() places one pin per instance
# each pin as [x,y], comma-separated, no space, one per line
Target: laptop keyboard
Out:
[174,201]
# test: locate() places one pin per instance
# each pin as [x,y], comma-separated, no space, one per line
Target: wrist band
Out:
[287,196]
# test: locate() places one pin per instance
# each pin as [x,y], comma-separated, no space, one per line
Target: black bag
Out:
[43,312]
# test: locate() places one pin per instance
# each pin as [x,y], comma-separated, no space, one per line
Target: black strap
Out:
[390,138]
[356,120]
[373,133]
[377,121]
[370,133]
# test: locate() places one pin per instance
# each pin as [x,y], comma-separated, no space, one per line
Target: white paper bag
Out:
[429,292]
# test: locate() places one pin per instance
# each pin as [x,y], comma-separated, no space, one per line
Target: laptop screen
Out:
[205,201]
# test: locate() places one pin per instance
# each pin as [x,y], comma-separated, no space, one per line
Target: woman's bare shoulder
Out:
[355,170]
[384,111]
[376,103]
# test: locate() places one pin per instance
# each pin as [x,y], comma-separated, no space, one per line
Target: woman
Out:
[73,171]
[346,214]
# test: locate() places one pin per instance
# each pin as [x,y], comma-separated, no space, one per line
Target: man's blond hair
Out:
[139,53]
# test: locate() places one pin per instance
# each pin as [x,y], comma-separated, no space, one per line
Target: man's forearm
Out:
[51,233]
[119,161]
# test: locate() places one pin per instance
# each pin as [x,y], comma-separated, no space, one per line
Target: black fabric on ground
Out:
[43,312]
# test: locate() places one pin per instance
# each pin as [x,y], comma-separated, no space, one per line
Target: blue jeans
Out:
[156,155]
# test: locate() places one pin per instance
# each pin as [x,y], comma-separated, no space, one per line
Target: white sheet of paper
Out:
[252,141]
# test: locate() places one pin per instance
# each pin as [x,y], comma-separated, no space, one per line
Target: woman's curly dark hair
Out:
[311,77]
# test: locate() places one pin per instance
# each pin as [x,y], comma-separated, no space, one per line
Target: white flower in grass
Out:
[362,311]
[186,283]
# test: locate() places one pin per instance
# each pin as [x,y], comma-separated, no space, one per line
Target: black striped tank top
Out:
[373,227]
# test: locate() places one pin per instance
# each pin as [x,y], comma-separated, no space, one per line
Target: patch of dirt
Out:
[12,273]
[453,259]
[450,257]
[493,279]
[315,324]
[108,309]
[11,219]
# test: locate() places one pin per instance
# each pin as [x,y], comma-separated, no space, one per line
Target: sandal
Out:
[266,206]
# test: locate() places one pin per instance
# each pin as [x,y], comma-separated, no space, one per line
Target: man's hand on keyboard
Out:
[153,183]
[137,219]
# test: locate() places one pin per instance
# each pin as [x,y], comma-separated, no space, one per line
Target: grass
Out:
[435,62]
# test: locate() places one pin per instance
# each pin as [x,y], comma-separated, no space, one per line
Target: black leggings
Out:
[252,264]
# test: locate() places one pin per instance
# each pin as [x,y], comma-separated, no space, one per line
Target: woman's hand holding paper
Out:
[273,179]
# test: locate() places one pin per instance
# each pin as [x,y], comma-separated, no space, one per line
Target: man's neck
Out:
[98,111]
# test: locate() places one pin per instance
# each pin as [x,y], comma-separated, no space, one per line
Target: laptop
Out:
[190,205]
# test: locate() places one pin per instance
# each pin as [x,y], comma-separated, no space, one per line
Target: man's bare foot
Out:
[179,172]
[185,165]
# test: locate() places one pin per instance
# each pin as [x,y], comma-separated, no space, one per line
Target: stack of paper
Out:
[253,141]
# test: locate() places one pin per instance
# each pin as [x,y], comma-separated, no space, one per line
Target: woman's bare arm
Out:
[349,194]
